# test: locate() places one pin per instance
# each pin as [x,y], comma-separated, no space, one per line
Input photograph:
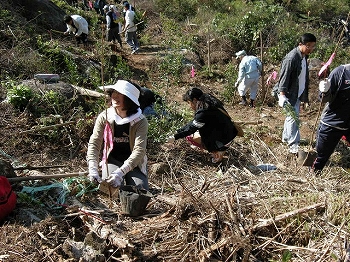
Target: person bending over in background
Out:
[124,156]
[77,25]
[216,130]
[249,73]
[293,87]
[335,119]
[148,99]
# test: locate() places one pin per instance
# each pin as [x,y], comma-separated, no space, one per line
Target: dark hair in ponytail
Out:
[206,100]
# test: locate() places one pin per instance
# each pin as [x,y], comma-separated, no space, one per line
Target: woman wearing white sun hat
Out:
[123,130]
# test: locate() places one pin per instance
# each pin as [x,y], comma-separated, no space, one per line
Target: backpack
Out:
[7,198]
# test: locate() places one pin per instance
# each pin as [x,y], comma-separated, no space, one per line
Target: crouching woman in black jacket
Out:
[216,130]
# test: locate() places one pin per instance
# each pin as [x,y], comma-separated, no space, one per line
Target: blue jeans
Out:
[291,133]
[131,39]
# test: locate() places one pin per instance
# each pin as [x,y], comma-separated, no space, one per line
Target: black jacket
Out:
[336,112]
[215,128]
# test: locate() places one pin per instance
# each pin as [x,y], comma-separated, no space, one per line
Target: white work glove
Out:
[282,99]
[93,172]
[115,179]
[324,86]
[170,139]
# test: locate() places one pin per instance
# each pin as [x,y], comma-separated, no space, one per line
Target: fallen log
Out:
[87,92]
[268,222]
[46,127]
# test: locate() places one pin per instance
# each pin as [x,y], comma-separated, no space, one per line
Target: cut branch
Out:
[287,215]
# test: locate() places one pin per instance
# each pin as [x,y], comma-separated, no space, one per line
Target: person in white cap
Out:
[249,72]
[122,128]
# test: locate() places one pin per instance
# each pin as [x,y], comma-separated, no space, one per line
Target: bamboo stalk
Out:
[249,122]
[36,167]
[27,178]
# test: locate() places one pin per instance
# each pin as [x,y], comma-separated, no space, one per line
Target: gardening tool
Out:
[308,158]
[122,32]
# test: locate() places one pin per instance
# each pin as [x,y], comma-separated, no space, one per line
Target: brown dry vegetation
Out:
[200,211]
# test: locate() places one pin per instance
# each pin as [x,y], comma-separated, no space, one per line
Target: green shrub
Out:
[178,10]
[171,67]
[19,95]
[160,128]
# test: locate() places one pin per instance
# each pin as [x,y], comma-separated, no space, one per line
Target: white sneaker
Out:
[294,149]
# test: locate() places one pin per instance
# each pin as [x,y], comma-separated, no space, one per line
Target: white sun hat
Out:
[241,53]
[125,88]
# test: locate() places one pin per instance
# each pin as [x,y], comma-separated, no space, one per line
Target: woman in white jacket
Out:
[77,25]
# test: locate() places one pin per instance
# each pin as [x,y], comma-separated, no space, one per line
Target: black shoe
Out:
[244,101]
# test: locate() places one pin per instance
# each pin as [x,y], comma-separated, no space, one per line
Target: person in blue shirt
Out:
[250,69]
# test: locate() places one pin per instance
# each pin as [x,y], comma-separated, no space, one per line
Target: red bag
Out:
[7,198]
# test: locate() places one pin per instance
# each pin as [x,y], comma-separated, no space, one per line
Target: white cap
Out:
[241,53]
[105,7]
[113,8]
[125,88]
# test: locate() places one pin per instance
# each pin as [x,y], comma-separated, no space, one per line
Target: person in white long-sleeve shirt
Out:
[130,29]
[250,69]
[77,25]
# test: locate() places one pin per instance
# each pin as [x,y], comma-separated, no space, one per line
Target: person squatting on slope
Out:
[216,130]
[335,119]
[77,25]
[293,87]
[249,73]
[124,160]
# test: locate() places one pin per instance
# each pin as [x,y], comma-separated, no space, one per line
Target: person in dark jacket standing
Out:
[112,33]
[215,127]
[335,119]
[293,87]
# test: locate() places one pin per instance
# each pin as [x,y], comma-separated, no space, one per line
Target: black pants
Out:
[327,140]
[82,38]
